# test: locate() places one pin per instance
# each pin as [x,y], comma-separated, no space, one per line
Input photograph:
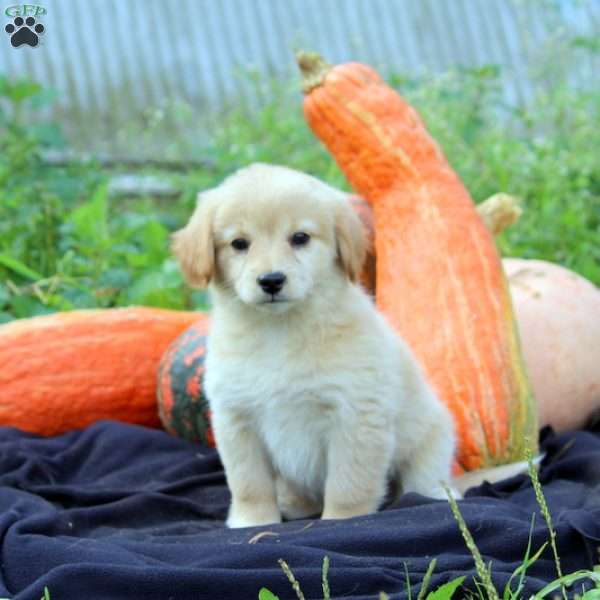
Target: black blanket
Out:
[119,511]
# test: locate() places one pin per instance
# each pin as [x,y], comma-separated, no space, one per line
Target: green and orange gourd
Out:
[182,404]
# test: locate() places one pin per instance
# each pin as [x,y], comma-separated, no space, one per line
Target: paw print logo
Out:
[24,32]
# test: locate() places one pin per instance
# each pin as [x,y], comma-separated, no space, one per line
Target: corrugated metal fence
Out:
[115,62]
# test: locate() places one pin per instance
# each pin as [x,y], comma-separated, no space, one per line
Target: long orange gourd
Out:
[439,277]
[67,370]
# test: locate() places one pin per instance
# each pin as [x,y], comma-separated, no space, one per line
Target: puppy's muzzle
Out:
[271,283]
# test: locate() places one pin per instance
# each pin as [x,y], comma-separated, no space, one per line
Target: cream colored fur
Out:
[316,402]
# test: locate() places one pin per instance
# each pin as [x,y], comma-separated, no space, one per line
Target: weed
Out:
[541,500]
[484,584]
[484,572]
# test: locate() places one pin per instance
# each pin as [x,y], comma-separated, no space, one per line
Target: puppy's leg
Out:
[249,472]
[358,464]
[293,503]
[430,464]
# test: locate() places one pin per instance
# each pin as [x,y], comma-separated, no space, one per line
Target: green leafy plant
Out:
[68,241]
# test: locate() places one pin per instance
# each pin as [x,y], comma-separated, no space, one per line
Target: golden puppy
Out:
[316,402]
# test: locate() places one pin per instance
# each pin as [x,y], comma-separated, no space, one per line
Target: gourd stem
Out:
[313,69]
[499,211]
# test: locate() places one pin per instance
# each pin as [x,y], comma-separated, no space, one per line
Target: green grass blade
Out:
[290,575]
[324,579]
[481,590]
[408,587]
[482,571]
[541,500]
[446,591]
[521,570]
[426,579]
[507,594]
[16,266]
[566,581]
[265,594]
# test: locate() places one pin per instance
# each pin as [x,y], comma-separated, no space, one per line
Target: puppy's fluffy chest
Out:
[291,402]
[293,385]
[274,369]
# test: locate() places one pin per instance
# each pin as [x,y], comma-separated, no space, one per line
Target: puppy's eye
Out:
[240,244]
[299,239]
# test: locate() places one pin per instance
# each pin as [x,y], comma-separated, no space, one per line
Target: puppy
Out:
[316,402]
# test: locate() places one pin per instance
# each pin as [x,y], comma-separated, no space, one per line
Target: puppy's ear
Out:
[194,245]
[351,240]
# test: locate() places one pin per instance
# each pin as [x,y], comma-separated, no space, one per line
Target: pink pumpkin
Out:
[558,313]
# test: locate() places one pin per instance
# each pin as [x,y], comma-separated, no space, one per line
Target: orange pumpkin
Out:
[439,278]
[67,370]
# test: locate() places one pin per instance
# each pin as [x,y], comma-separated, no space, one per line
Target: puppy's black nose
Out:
[271,283]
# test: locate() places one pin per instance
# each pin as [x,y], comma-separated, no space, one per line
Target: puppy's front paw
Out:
[347,511]
[252,515]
